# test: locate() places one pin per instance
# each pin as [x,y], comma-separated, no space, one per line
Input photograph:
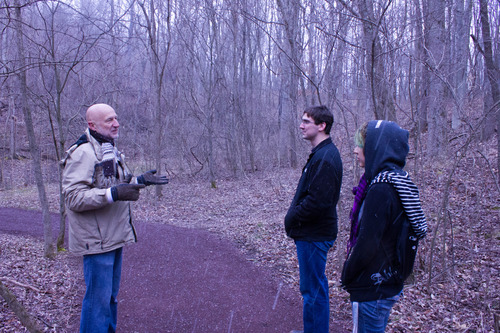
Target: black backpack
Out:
[406,251]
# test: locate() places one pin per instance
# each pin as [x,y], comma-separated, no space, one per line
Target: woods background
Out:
[214,90]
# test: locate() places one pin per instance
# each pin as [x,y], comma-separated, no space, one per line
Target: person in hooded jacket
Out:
[372,272]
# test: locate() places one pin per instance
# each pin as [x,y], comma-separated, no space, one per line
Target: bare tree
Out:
[288,108]
[13,124]
[380,88]
[158,47]
[418,86]
[492,72]
[34,148]
[459,60]
[54,75]
[241,82]
[435,44]
[234,67]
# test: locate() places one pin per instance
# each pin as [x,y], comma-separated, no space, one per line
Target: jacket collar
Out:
[321,144]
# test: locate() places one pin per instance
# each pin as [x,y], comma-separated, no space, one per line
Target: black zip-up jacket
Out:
[312,215]
[369,272]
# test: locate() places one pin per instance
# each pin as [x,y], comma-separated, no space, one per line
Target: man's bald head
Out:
[96,110]
[102,118]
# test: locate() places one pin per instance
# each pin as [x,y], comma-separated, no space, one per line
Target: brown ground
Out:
[456,291]
[179,280]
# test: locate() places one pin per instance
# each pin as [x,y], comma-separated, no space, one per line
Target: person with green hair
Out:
[360,190]
[387,223]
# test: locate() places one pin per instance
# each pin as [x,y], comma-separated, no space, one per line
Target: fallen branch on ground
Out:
[27,286]
[26,319]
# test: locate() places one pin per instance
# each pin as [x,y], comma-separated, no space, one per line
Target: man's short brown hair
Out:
[321,114]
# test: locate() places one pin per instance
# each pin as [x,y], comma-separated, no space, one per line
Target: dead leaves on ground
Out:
[49,289]
[464,290]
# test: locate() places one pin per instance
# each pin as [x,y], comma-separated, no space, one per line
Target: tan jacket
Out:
[95,226]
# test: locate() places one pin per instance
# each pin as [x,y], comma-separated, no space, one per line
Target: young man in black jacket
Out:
[373,273]
[311,219]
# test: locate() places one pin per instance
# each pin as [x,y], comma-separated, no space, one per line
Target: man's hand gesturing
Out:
[149,178]
[126,192]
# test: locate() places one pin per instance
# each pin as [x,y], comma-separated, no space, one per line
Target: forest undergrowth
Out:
[454,288]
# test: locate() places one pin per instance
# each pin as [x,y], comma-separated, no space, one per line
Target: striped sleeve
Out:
[410,199]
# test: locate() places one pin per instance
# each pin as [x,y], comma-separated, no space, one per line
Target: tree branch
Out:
[24,317]
[491,170]
[27,286]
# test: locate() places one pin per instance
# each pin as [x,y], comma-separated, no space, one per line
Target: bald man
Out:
[98,188]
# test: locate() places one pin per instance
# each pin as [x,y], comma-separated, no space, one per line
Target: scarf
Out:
[409,196]
[106,172]
[359,195]
[101,138]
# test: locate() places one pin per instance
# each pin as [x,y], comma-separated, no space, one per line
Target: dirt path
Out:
[187,280]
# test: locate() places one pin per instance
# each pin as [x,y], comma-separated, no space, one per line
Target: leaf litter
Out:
[463,294]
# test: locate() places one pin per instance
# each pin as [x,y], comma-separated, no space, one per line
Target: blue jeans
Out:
[314,285]
[102,273]
[372,316]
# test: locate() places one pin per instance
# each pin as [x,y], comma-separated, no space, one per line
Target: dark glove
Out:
[149,178]
[126,192]
[127,178]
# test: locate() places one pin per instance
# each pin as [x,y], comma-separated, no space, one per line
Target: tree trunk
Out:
[59,147]
[34,149]
[435,46]
[493,75]
[380,87]
[289,10]
[13,121]
[158,69]
[235,145]
[459,60]
[421,75]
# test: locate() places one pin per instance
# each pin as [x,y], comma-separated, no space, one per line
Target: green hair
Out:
[360,136]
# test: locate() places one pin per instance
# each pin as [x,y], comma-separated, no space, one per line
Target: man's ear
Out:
[322,127]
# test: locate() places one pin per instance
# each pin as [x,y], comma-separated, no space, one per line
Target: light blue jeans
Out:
[102,273]
[372,316]
[314,285]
